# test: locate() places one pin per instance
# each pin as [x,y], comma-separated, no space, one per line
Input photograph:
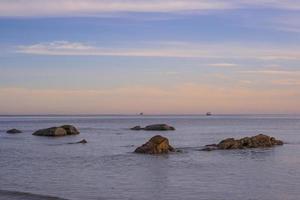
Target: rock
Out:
[13,131]
[71,130]
[258,141]
[136,128]
[82,142]
[210,147]
[57,131]
[155,127]
[230,143]
[53,131]
[156,145]
[159,127]
[79,142]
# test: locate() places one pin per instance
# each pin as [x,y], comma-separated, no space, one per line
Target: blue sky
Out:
[159,57]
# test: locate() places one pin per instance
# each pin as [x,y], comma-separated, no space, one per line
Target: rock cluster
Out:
[154,127]
[57,131]
[156,145]
[258,141]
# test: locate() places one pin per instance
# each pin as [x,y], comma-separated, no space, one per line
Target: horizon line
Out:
[145,115]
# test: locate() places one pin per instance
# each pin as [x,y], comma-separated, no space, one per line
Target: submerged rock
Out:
[210,147]
[79,142]
[57,131]
[154,127]
[82,142]
[258,141]
[13,131]
[156,145]
[136,128]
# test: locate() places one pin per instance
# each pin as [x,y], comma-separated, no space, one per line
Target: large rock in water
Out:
[155,127]
[258,141]
[13,131]
[156,145]
[57,131]
[53,131]
[71,130]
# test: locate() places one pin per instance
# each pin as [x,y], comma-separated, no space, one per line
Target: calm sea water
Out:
[106,168]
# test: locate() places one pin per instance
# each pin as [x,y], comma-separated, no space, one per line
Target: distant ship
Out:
[141,113]
[208,114]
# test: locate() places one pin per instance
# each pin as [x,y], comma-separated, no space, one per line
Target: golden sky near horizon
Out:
[184,99]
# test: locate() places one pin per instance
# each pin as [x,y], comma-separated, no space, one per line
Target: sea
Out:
[38,168]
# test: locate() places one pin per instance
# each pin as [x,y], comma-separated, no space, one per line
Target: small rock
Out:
[82,142]
[136,128]
[155,127]
[156,145]
[13,131]
[159,127]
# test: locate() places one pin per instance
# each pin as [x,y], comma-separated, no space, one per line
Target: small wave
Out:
[14,195]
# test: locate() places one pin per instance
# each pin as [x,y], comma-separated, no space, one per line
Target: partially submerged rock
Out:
[258,141]
[210,147]
[51,132]
[156,145]
[13,131]
[137,128]
[79,142]
[154,127]
[57,131]
[82,142]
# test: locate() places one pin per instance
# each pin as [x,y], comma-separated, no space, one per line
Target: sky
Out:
[151,56]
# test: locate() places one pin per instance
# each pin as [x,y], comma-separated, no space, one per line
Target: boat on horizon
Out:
[208,114]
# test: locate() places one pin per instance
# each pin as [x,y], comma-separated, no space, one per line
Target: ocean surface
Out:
[34,168]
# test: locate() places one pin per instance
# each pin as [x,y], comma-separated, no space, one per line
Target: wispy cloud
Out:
[173,49]
[96,7]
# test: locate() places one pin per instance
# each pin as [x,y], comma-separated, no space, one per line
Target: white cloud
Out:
[95,7]
[173,49]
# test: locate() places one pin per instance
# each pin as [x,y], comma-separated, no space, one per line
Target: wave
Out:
[15,195]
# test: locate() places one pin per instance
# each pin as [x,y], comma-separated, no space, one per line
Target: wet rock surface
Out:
[156,145]
[71,130]
[57,131]
[258,141]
